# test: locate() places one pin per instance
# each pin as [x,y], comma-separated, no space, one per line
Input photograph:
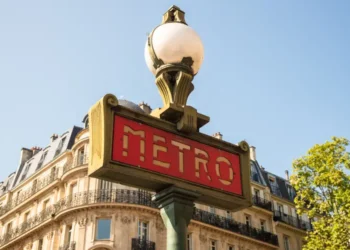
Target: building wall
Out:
[70,199]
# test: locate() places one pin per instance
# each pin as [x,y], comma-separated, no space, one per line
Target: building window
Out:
[231,248]
[212,210]
[286,242]
[73,189]
[40,245]
[60,146]
[105,185]
[189,242]
[228,215]
[280,209]
[212,245]
[262,225]
[69,233]
[81,156]
[143,230]
[254,174]
[25,172]
[103,229]
[9,227]
[25,216]
[256,192]
[247,220]
[45,205]
[42,159]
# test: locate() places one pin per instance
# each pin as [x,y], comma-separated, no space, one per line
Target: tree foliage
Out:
[322,181]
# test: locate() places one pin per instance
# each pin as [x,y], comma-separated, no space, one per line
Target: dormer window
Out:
[254,173]
[25,172]
[60,146]
[291,192]
[42,159]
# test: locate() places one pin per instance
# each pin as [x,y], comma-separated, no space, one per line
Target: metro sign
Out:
[146,152]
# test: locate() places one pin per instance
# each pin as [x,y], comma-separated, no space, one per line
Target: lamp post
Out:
[174,53]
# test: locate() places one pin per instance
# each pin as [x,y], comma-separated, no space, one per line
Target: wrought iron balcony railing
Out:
[142,244]
[139,197]
[261,202]
[36,187]
[68,246]
[234,226]
[292,221]
[79,161]
[27,225]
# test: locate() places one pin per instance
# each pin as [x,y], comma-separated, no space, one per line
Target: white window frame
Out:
[263,225]
[230,247]
[140,227]
[189,242]
[213,245]
[211,209]
[248,218]
[286,242]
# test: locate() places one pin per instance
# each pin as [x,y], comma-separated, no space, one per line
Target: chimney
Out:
[35,150]
[218,135]
[287,175]
[26,154]
[252,153]
[53,137]
[145,107]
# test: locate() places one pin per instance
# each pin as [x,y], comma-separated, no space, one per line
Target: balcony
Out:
[27,225]
[234,226]
[138,197]
[23,196]
[79,161]
[141,244]
[262,203]
[68,246]
[292,221]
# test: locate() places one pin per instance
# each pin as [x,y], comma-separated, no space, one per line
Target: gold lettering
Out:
[217,168]
[199,161]
[140,133]
[156,149]
[181,147]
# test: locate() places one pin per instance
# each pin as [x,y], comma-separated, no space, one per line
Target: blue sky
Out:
[275,73]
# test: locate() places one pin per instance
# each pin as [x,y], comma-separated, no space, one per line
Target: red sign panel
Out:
[143,146]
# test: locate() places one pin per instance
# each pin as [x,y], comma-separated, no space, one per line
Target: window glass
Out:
[103,229]
[247,220]
[286,242]
[262,225]
[69,234]
[189,242]
[212,210]
[213,245]
[143,230]
[40,244]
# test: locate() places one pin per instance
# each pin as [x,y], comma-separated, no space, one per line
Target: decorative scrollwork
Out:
[244,146]
[112,100]
[125,220]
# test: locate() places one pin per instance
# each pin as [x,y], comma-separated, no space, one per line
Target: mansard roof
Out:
[46,155]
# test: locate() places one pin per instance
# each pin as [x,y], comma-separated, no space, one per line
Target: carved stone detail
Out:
[203,238]
[126,220]
[160,226]
[82,221]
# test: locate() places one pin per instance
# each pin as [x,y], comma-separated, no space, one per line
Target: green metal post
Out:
[176,208]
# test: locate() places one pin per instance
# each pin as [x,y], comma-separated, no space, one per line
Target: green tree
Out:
[322,181]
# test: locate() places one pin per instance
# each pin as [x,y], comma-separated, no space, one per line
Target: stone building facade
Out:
[50,203]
